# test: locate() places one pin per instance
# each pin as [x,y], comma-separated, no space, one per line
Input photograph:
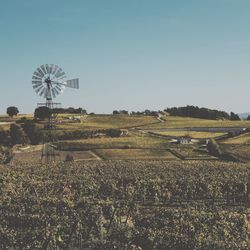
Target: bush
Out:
[213,148]
[17,135]
[69,157]
[113,132]
[4,138]
[33,132]
[6,155]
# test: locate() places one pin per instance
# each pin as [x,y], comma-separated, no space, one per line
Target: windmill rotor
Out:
[49,81]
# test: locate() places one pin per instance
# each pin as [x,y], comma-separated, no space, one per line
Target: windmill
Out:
[49,81]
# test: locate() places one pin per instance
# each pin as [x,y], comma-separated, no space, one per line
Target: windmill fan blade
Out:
[36,78]
[59,85]
[55,68]
[47,68]
[53,92]
[59,73]
[42,92]
[74,83]
[50,68]
[56,91]
[36,85]
[43,69]
[38,89]
[36,82]
[36,73]
[40,71]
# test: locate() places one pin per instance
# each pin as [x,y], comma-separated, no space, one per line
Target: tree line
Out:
[203,113]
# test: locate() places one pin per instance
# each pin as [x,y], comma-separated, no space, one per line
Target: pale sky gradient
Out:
[129,54]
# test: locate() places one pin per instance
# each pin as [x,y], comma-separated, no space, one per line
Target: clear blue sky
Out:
[129,54]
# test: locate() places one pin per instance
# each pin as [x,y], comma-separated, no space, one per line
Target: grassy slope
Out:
[183,122]
[130,141]
[192,134]
[239,146]
[94,122]
[135,154]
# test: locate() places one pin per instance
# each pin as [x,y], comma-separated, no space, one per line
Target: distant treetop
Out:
[197,112]
[12,111]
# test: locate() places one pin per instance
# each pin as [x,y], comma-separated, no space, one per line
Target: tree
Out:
[115,112]
[213,148]
[17,135]
[33,132]
[42,113]
[4,137]
[234,117]
[248,118]
[11,111]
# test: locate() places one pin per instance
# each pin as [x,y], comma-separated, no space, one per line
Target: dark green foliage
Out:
[4,138]
[248,118]
[69,158]
[120,112]
[6,155]
[12,111]
[213,148]
[234,117]
[33,132]
[17,135]
[70,110]
[113,132]
[42,113]
[196,112]
[79,134]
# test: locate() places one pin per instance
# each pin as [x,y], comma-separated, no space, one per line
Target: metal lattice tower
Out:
[48,81]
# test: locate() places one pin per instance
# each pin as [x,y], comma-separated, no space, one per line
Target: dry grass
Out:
[95,122]
[192,134]
[35,156]
[183,122]
[135,154]
[121,142]
[241,139]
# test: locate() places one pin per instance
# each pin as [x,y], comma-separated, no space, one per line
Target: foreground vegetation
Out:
[125,204]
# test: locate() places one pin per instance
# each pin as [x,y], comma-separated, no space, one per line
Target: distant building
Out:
[184,140]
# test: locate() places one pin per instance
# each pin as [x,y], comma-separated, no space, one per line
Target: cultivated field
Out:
[125,205]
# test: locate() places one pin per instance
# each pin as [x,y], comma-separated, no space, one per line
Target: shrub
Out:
[6,155]
[213,148]
[69,157]
[33,132]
